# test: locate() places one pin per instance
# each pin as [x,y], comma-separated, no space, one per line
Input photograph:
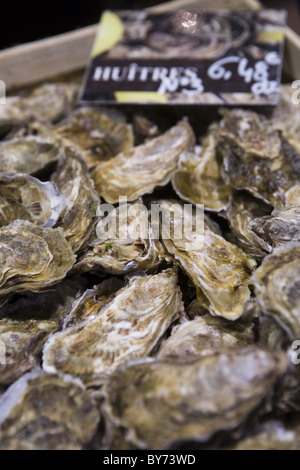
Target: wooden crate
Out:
[66,54]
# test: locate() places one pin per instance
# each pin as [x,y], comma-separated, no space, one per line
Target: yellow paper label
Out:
[110,32]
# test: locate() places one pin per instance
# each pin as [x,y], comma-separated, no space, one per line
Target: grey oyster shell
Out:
[47,412]
[26,324]
[29,154]
[98,135]
[255,156]
[163,402]
[198,178]
[51,101]
[139,170]
[205,335]
[277,289]
[74,183]
[32,258]
[218,268]
[129,326]
[25,197]
[242,210]
[122,249]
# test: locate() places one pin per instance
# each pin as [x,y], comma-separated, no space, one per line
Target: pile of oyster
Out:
[150,340]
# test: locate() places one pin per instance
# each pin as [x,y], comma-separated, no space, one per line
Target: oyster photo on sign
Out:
[25,197]
[98,135]
[47,412]
[164,402]
[129,326]
[139,170]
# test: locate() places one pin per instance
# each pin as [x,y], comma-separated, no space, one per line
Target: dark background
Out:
[30,20]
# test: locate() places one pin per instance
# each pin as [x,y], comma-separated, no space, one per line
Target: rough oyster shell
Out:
[47,412]
[286,116]
[161,402]
[198,178]
[119,253]
[11,115]
[51,101]
[29,154]
[30,126]
[205,335]
[27,198]
[277,287]
[279,228]
[218,268]
[271,435]
[127,327]
[243,208]
[32,258]
[74,183]
[255,157]
[98,135]
[140,170]
[26,324]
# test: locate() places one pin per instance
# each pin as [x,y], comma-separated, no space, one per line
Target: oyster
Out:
[29,154]
[198,179]
[32,258]
[144,129]
[51,101]
[30,126]
[205,335]
[27,198]
[270,435]
[163,402]
[140,170]
[26,324]
[47,412]
[92,301]
[280,227]
[98,135]
[292,196]
[74,183]
[117,252]
[243,208]
[217,267]
[256,157]
[286,116]
[11,115]
[127,327]
[277,287]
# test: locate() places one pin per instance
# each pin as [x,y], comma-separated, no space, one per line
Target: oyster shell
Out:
[74,183]
[256,157]
[198,177]
[98,135]
[26,324]
[32,258]
[47,412]
[163,402]
[270,435]
[27,198]
[280,227]
[286,116]
[11,115]
[119,253]
[30,126]
[205,335]
[51,101]
[218,268]
[29,154]
[243,208]
[277,287]
[144,129]
[140,170]
[127,327]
